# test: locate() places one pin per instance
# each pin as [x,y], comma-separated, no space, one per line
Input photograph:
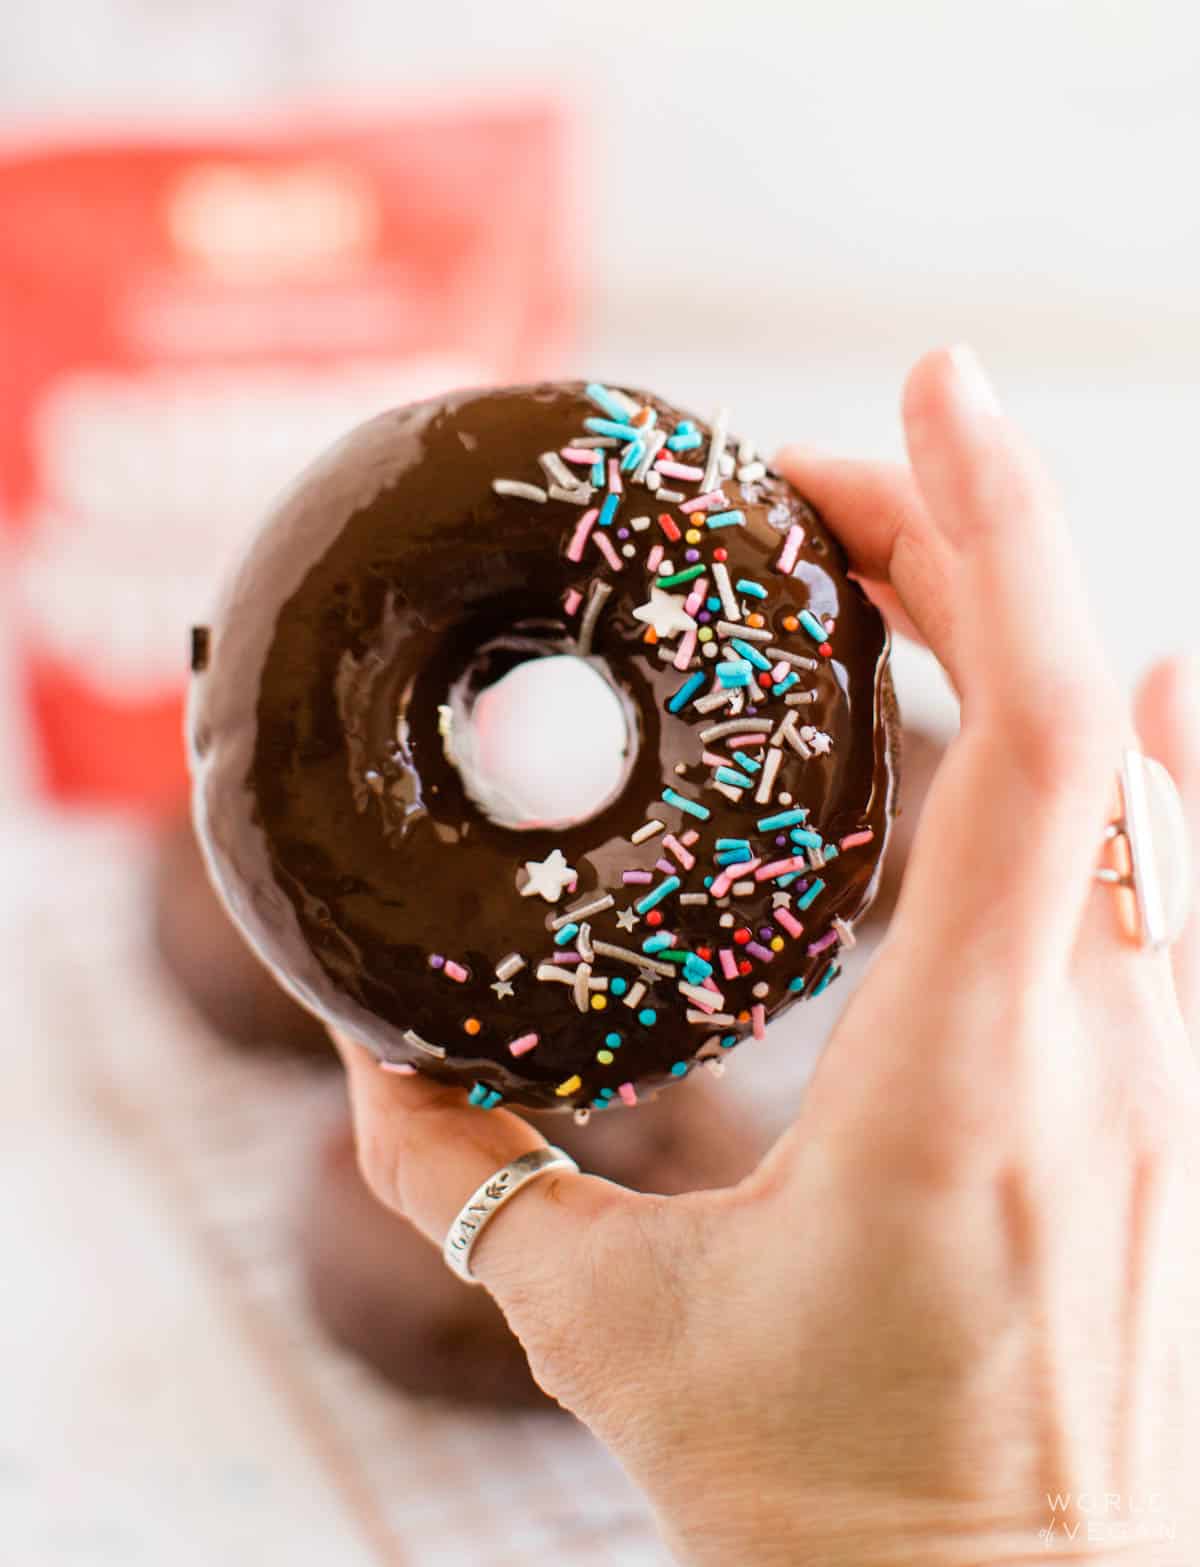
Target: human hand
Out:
[965,1282]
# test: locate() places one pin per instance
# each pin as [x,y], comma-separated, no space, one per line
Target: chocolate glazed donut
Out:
[418,561]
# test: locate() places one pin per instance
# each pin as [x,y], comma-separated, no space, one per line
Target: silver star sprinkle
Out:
[548,878]
[626,919]
[503,989]
[665,612]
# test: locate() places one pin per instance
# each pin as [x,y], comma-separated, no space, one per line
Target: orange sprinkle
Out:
[743,1016]
[651,636]
[790,623]
[755,621]
[640,417]
[472,1025]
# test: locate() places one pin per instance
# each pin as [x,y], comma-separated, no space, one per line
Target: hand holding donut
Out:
[960,1296]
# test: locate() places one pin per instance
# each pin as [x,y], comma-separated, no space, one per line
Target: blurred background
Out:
[227,231]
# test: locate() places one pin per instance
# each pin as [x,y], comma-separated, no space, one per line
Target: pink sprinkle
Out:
[827,940]
[689,837]
[671,842]
[781,868]
[791,549]
[655,555]
[572,601]
[697,596]
[856,839]
[665,867]
[710,983]
[455,971]
[728,963]
[628,1093]
[788,920]
[614,477]
[740,742]
[708,502]
[679,470]
[687,646]
[730,874]
[398,1068]
[711,759]
[579,454]
[567,959]
[636,878]
[522,1046]
[604,545]
[781,669]
[580,537]
[758,1018]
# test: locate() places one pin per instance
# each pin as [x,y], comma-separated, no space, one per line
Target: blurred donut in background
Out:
[211,963]
[381,1291]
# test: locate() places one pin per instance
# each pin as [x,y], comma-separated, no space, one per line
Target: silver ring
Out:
[1152,847]
[488,1199]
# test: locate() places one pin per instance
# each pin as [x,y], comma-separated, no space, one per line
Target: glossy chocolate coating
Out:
[340,833]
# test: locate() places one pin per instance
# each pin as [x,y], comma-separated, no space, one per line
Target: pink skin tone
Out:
[968,1275]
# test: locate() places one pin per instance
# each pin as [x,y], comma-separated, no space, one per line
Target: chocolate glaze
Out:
[339,832]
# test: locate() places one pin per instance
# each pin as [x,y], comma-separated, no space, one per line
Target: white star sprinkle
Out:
[665,612]
[626,919]
[821,743]
[549,877]
[502,988]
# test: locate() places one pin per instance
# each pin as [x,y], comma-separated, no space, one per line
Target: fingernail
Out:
[974,388]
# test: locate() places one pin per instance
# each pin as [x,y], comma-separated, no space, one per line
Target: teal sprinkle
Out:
[696,970]
[827,978]
[598,472]
[730,775]
[655,896]
[813,626]
[688,574]
[660,940]
[708,880]
[786,684]
[805,837]
[754,589]
[632,455]
[563,937]
[683,441]
[692,807]
[686,691]
[618,986]
[605,401]
[609,510]
[734,856]
[679,1069]
[831,851]
[685,427]
[787,879]
[617,427]
[729,1041]
[607,1093]
[748,650]
[782,819]
[648,1016]
[613,1041]
[734,674]
[747,763]
[725,519]
[492,1100]
[796,985]
[811,896]
[712,604]
[733,843]
[599,1104]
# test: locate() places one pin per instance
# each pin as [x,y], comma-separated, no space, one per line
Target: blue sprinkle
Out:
[728,1042]
[618,986]
[730,775]
[782,819]
[733,843]
[483,1096]
[746,762]
[692,807]
[648,1016]
[686,692]
[714,604]
[748,650]
[805,837]
[665,888]
[632,455]
[659,942]
[708,880]
[754,589]
[786,684]
[598,471]
[696,970]
[725,519]
[831,851]
[563,936]
[796,984]
[734,856]
[813,626]
[811,896]
[609,510]
[734,674]
[606,1093]
[613,1041]
[492,1100]
[617,427]
[605,401]
[684,440]
[787,879]
[827,978]
[679,1069]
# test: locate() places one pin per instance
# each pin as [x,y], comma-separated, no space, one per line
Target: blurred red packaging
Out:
[184,322]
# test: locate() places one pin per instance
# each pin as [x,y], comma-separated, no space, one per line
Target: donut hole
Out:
[550,743]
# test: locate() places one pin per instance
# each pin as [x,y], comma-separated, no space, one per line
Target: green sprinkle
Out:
[688,575]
